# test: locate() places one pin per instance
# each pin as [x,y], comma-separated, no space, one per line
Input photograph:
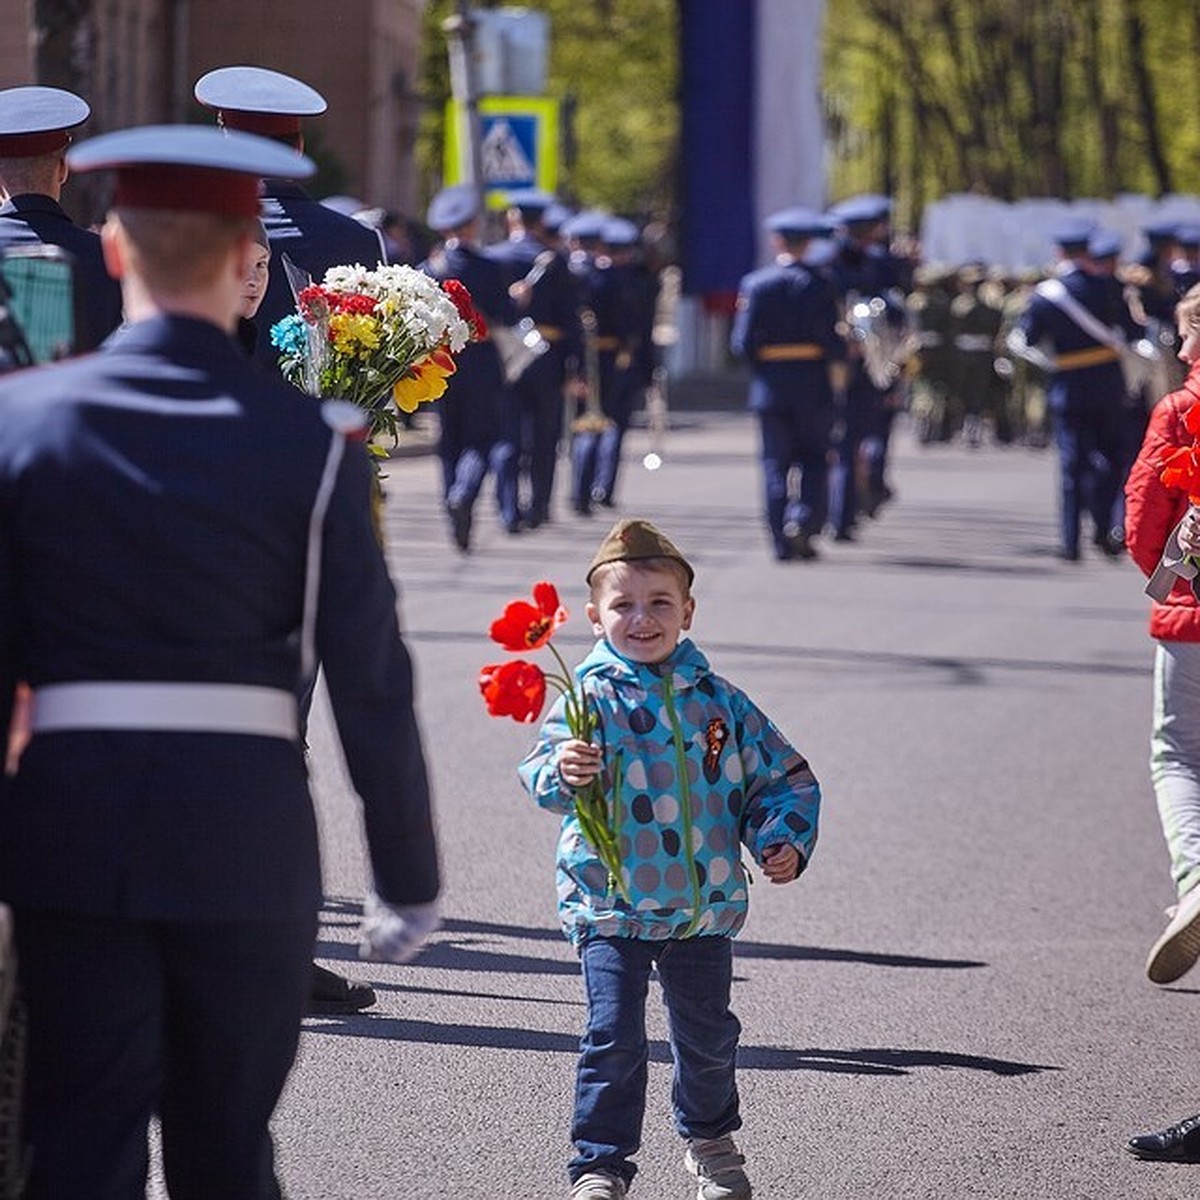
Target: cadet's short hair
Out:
[176,251]
[1188,309]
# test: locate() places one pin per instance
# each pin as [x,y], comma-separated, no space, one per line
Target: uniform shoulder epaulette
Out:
[345,418]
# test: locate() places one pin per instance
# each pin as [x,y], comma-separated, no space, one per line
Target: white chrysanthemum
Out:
[346,278]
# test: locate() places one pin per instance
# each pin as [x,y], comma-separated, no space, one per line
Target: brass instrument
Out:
[886,347]
[592,419]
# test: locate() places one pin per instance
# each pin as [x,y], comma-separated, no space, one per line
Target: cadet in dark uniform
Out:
[601,320]
[785,327]
[476,430]
[157,841]
[312,235]
[544,290]
[1086,389]
[35,131]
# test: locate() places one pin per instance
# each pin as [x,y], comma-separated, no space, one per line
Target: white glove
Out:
[395,933]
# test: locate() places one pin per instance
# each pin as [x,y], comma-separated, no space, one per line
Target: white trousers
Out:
[1175,756]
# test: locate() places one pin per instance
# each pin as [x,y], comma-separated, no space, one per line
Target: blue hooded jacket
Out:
[702,773]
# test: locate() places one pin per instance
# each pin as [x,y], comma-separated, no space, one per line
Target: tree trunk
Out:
[1147,105]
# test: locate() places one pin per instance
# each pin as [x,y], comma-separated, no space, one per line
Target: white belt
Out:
[167,708]
[973,341]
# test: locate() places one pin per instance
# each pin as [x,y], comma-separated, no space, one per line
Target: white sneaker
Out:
[598,1185]
[717,1166]
[1176,951]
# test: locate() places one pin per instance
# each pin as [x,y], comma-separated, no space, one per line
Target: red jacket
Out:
[1152,510]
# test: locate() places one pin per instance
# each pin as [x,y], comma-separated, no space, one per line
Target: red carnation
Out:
[315,303]
[458,293]
[355,303]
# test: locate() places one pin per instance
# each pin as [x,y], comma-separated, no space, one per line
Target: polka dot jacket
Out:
[703,773]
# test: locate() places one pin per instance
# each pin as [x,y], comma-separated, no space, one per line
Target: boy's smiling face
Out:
[641,608]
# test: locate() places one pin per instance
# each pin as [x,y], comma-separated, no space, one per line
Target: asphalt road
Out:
[950,1003]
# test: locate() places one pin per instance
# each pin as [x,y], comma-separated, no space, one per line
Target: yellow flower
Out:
[429,378]
[354,334]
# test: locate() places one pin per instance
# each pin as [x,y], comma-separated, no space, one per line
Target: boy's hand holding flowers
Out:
[579,763]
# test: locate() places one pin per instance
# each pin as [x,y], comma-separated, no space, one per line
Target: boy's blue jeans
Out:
[610,1088]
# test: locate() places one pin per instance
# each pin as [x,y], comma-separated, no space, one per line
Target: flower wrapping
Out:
[383,338]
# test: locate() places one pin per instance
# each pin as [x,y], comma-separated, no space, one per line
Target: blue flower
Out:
[289,335]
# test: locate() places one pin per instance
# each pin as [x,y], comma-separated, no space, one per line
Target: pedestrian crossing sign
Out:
[518,145]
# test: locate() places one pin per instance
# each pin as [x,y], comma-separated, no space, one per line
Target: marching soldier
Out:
[36,125]
[1068,329]
[475,429]
[313,236]
[864,269]
[934,404]
[619,306]
[157,840]
[634,357]
[785,327]
[976,315]
[544,290]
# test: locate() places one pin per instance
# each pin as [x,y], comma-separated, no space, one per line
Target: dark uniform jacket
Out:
[785,305]
[1080,383]
[315,238]
[151,531]
[32,219]
[554,300]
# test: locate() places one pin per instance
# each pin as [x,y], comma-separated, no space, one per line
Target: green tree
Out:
[613,64]
[1012,98]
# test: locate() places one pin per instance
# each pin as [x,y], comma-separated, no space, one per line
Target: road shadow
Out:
[464,945]
[876,1061]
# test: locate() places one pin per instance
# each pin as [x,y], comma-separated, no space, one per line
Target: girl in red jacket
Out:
[1152,511]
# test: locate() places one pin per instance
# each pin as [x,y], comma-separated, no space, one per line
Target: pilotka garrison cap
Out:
[632,540]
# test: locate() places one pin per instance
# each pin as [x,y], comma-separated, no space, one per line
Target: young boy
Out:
[702,772]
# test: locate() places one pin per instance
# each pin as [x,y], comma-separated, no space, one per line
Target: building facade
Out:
[135,62]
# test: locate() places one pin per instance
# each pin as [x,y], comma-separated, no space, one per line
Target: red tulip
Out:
[1181,469]
[526,626]
[514,689]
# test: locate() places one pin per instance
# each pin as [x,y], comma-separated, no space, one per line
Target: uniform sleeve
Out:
[369,675]
[783,799]
[1151,509]
[8,621]
[740,345]
[538,770]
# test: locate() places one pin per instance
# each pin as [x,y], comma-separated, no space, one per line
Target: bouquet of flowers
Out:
[383,338]
[517,689]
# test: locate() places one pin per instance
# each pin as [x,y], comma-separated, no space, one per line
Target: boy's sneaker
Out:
[1176,951]
[599,1185]
[717,1166]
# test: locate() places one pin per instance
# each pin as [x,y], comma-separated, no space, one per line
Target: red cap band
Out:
[264,124]
[30,145]
[188,189]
